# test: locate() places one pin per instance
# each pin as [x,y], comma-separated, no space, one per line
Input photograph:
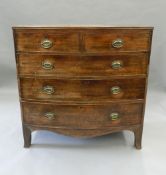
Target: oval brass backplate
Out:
[118,43]
[46,44]
[115,90]
[50,115]
[117,64]
[114,116]
[47,65]
[48,90]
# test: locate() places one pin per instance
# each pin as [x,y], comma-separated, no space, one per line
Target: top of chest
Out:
[82,39]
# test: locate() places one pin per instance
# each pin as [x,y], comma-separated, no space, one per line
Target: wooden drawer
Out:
[55,41]
[118,40]
[83,66]
[82,90]
[82,116]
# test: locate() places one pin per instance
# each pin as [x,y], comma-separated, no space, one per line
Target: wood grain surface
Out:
[82,66]
[81,90]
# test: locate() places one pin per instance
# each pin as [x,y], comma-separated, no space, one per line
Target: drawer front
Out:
[67,66]
[82,116]
[117,40]
[46,41]
[58,89]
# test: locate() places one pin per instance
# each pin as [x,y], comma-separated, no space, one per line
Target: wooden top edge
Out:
[83,27]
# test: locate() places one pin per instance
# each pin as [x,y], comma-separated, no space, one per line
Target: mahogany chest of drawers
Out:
[82,81]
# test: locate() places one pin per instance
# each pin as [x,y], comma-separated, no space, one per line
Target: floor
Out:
[112,154]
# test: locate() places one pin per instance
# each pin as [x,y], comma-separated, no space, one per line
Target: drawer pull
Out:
[50,115]
[115,90]
[117,64]
[46,44]
[118,43]
[47,65]
[48,90]
[114,116]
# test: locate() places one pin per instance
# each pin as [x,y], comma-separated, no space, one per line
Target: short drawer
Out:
[82,90]
[46,41]
[82,116]
[118,40]
[82,66]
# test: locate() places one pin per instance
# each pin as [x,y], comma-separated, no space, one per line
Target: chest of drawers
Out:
[82,81]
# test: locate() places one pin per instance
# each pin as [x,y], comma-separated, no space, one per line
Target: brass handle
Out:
[48,90]
[50,115]
[115,90]
[117,64]
[47,65]
[118,43]
[46,44]
[114,116]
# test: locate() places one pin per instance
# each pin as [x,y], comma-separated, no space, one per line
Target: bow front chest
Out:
[82,81]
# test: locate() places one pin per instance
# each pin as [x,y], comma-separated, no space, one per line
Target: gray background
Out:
[52,154]
[80,12]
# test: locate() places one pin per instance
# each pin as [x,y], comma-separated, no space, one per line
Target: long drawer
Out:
[82,116]
[82,66]
[65,89]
